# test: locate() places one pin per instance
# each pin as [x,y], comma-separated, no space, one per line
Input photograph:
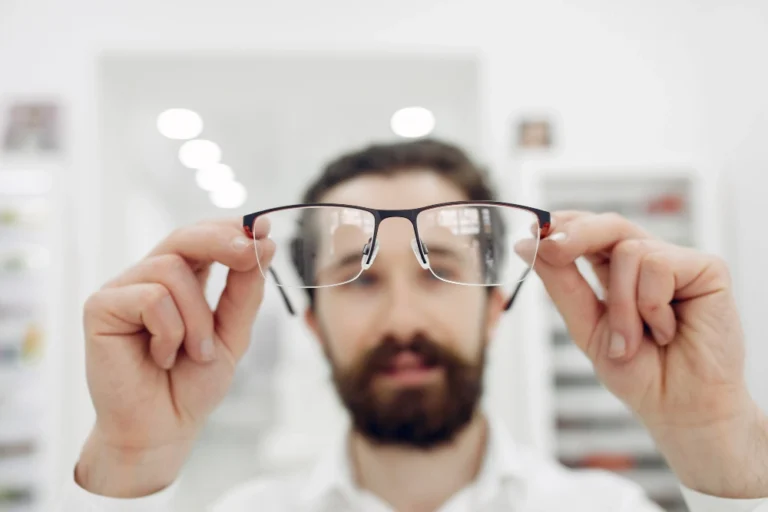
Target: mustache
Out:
[431,353]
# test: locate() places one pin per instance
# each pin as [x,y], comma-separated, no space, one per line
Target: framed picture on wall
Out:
[31,128]
[535,133]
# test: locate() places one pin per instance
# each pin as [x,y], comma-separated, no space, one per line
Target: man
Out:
[406,348]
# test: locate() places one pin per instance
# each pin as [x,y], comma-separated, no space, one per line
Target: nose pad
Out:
[423,260]
[367,262]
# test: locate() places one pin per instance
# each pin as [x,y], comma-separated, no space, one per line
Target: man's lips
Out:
[406,361]
[409,368]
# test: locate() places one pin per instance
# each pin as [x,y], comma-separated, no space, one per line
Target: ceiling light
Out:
[199,153]
[229,195]
[412,122]
[180,124]
[214,176]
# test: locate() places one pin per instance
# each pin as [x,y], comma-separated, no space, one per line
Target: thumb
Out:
[240,301]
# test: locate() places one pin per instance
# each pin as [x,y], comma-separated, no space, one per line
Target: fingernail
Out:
[169,362]
[618,346]
[207,350]
[240,243]
[558,237]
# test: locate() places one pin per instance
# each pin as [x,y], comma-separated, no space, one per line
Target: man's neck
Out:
[412,480]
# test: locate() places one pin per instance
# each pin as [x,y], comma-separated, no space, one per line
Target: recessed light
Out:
[180,123]
[214,176]
[199,153]
[413,122]
[229,195]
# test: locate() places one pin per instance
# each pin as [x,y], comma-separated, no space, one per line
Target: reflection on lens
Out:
[474,244]
[317,246]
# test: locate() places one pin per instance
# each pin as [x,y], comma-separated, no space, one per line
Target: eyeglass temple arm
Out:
[544,231]
[282,292]
[511,300]
[286,300]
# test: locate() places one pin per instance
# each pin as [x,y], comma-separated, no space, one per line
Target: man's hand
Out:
[666,340]
[159,359]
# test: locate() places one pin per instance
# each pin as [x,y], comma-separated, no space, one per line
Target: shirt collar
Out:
[501,463]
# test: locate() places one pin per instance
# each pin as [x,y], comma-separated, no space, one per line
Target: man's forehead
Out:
[400,190]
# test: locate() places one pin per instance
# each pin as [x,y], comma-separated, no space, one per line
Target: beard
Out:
[423,417]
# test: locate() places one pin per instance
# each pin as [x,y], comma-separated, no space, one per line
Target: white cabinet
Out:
[28,367]
[586,426]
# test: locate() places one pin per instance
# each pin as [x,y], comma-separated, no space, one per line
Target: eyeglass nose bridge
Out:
[370,255]
[418,246]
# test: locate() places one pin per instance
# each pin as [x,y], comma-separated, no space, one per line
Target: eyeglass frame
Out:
[544,218]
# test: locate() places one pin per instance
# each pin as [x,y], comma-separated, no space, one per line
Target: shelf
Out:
[658,483]
[630,442]
[617,461]
[590,403]
[10,449]
[29,252]
[20,471]
[17,499]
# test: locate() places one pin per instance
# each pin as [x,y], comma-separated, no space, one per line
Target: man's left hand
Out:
[666,339]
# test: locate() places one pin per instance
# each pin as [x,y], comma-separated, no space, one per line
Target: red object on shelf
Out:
[668,203]
[609,461]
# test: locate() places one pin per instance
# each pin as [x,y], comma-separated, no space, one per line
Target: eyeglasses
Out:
[468,243]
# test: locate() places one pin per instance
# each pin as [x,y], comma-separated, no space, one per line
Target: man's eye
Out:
[441,272]
[364,280]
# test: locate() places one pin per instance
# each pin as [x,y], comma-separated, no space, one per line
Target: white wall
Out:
[627,78]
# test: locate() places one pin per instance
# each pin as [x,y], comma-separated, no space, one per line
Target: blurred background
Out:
[122,121]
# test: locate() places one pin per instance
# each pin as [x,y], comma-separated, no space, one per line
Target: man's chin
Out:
[412,429]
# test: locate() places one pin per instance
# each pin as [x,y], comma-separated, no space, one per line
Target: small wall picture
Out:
[534,134]
[31,128]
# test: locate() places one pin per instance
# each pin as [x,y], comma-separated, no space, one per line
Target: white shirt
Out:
[512,479]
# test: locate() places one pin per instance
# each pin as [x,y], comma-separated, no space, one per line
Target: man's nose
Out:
[405,316]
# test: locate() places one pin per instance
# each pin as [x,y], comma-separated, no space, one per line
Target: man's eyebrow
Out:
[442,250]
[348,259]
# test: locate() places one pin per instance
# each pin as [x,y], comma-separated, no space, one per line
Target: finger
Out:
[587,235]
[527,248]
[240,301]
[697,274]
[261,227]
[624,318]
[575,300]
[175,274]
[133,309]
[202,244]
[655,292]
[562,217]
[556,220]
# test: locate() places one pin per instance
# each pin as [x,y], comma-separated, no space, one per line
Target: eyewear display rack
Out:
[587,426]
[28,371]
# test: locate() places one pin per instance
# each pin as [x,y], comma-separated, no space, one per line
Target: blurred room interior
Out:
[658,108]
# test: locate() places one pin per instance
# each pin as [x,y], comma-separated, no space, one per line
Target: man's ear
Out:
[494,311]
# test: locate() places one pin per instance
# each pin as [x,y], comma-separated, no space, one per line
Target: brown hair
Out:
[445,159]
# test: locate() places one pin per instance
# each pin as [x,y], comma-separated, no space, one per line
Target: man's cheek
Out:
[344,358]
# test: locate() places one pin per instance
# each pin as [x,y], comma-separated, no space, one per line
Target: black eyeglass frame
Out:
[544,219]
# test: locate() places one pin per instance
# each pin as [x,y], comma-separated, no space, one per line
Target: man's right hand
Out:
[159,359]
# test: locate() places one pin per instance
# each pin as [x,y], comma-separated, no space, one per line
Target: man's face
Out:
[406,349]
